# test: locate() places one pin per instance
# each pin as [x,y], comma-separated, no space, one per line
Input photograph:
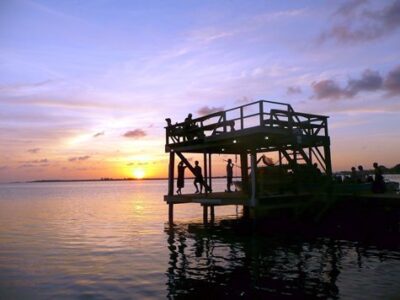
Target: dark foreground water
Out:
[110,240]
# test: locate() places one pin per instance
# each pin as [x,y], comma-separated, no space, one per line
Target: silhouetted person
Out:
[360,174]
[378,186]
[198,177]
[229,175]
[317,170]
[187,125]
[353,175]
[181,177]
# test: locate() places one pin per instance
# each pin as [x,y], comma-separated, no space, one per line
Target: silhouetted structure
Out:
[299,139]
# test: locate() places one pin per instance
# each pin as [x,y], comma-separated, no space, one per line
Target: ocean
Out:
[111,240]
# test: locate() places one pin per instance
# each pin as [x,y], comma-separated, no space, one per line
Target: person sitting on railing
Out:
[187,126]
[191,129]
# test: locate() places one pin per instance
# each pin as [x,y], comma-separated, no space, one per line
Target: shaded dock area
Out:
[298,184]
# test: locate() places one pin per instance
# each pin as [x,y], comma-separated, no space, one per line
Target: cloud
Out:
[33,150]
[137,133]
[38,161]
[370,81]
[205,110]
[3,168]
[354,25]
[98,134]
[349,7]
[392,82]
[244,100]
[25,86]
[292,90]
[26,166]
[78,158]
[327,89]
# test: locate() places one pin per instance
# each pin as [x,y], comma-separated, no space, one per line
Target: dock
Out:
[300,140]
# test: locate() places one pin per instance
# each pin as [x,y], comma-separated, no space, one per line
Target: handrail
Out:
[259,109]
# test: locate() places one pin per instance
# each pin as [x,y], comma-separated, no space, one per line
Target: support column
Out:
[328,163]
[253,199]
[209,172]
[170,213]
[205,173]
[171,186]
[212,214]
[244,172]
[205,214]
[171,169]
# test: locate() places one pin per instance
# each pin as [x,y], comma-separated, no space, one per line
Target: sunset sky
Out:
[85,86]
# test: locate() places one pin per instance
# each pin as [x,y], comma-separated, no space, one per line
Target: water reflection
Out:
[218,263]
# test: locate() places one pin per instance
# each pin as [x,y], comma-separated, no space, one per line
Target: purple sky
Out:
[85,86]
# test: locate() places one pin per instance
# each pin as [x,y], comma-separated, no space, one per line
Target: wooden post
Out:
[205,180]
[171,173]
[171,213]
[328,163]
[209,172]
[253,200]
[212,214]
[171,186]
[205,214]
[244,171]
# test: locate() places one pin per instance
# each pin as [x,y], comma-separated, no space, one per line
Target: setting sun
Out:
[138,173]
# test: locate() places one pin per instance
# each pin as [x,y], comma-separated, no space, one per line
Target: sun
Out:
[138,173]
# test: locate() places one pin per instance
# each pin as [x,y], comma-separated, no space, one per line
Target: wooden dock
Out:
[300,140]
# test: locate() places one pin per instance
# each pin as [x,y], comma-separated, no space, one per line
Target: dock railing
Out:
[262,113]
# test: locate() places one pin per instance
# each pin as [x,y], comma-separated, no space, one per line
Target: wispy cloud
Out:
[37,161]
[205,110]
[293,90]
[353,24]
[392,82]
[24,86]
[33,150]
[370,81]
[78,158]
[98,134]
[137,133]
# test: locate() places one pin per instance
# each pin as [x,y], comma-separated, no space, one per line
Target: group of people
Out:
[198,177]
[360,176]
[188,129]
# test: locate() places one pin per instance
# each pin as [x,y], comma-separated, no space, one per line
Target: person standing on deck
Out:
[229,175]
[360,174]
[198,177]
[378,186]
[181,177]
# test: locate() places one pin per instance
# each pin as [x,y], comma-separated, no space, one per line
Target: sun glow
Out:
[139,173]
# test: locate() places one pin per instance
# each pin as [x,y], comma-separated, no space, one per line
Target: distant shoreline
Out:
[97,180]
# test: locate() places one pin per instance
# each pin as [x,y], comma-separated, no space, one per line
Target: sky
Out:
[85,86]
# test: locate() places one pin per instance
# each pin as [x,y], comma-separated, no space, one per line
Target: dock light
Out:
[266,138]
[234,141]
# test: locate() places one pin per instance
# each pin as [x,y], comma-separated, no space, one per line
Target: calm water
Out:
[110,240]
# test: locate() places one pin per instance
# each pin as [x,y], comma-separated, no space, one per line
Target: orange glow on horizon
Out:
[139,173]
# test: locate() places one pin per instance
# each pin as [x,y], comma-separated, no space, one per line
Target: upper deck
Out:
[260,126]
